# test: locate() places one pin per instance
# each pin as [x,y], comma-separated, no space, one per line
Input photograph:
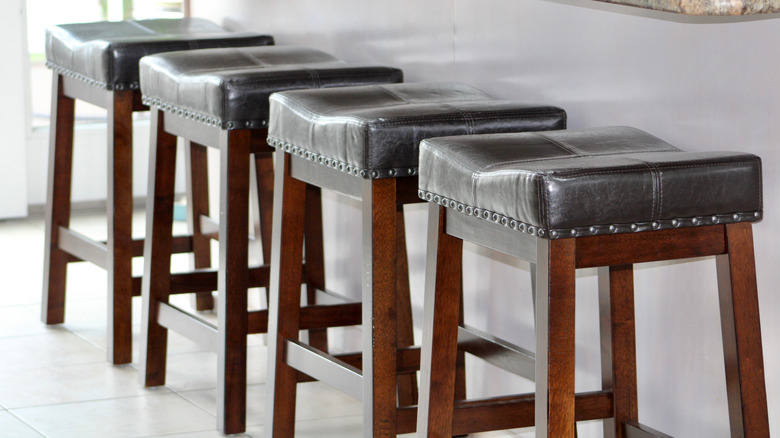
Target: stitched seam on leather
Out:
[391,94]
[142,27]
[558,143]
[451,117]
[466,116]
[634,169]
[656,178]
[314,77]
[298,107]
[542,194]
[301,75]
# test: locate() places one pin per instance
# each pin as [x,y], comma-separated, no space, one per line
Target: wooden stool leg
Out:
[315,259]
[233,280]
[379,312]
[618,346]
[157,250]
[555,309]
[407,383]
[57,204]
[196,168]
[442,309]
[741,328]
[284,305]
[120,227]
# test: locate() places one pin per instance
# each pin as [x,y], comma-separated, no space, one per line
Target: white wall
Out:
[699,85]
[13,118]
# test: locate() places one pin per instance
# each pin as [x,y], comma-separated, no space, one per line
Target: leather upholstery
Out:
[596,181]
[230,87]
[374,131]
[106,53]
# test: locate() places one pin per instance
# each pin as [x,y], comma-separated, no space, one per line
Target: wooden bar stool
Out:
[98,63]
[219,98]
[608,198]
[362,142]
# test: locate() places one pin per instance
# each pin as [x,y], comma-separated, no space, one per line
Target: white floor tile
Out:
[11,426]
[56,347]
[65,384]
[148,415]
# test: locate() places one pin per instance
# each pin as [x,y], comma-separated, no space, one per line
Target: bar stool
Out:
[219,98]
[362,142]
[608,198]
[98,63]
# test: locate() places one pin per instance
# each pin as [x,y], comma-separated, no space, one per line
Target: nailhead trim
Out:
[592,230]
[118,86]
[340,165]
[203,118]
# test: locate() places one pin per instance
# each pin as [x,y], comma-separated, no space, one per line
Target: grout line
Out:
[13,414]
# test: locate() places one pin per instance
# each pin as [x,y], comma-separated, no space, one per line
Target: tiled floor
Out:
[55,381]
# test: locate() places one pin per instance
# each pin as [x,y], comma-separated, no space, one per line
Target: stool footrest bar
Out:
[312,317]
[324,367]
[188,325]
[509,412]
[82,247]
[636,430]
[498,352]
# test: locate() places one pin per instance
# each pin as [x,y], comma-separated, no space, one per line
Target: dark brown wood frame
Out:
[115,255]
[555,407]
[246,167]
[382,375]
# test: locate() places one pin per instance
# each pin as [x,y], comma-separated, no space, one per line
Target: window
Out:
[42,13]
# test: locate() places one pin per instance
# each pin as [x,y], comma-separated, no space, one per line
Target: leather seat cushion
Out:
[106,53]
[595,181]
[375,131]
[230,87]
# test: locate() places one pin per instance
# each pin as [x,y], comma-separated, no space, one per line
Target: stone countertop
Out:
[706,7]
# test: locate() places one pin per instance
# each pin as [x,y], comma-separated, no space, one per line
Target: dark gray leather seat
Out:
[229,88]
[374,131]
[595,181]
[106,53]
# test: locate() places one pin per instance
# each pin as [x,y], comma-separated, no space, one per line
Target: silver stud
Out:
[362,173]
[756,215]
[469,210]
[444,201]
[477,212]
[735,217]
[496,217]
[592,229]
[453,204]
[553,234]
[521,228]
[410,171]
[504,221]
[486,214]
[248,123]
[540,233]
[391,172]
[656,225]
[612,228]
[436,198]
[675,222]
[264,123]
[461,208]
[714,219]
[695,221]
[573,233]
[634,227]
[531,230]
[374,174]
